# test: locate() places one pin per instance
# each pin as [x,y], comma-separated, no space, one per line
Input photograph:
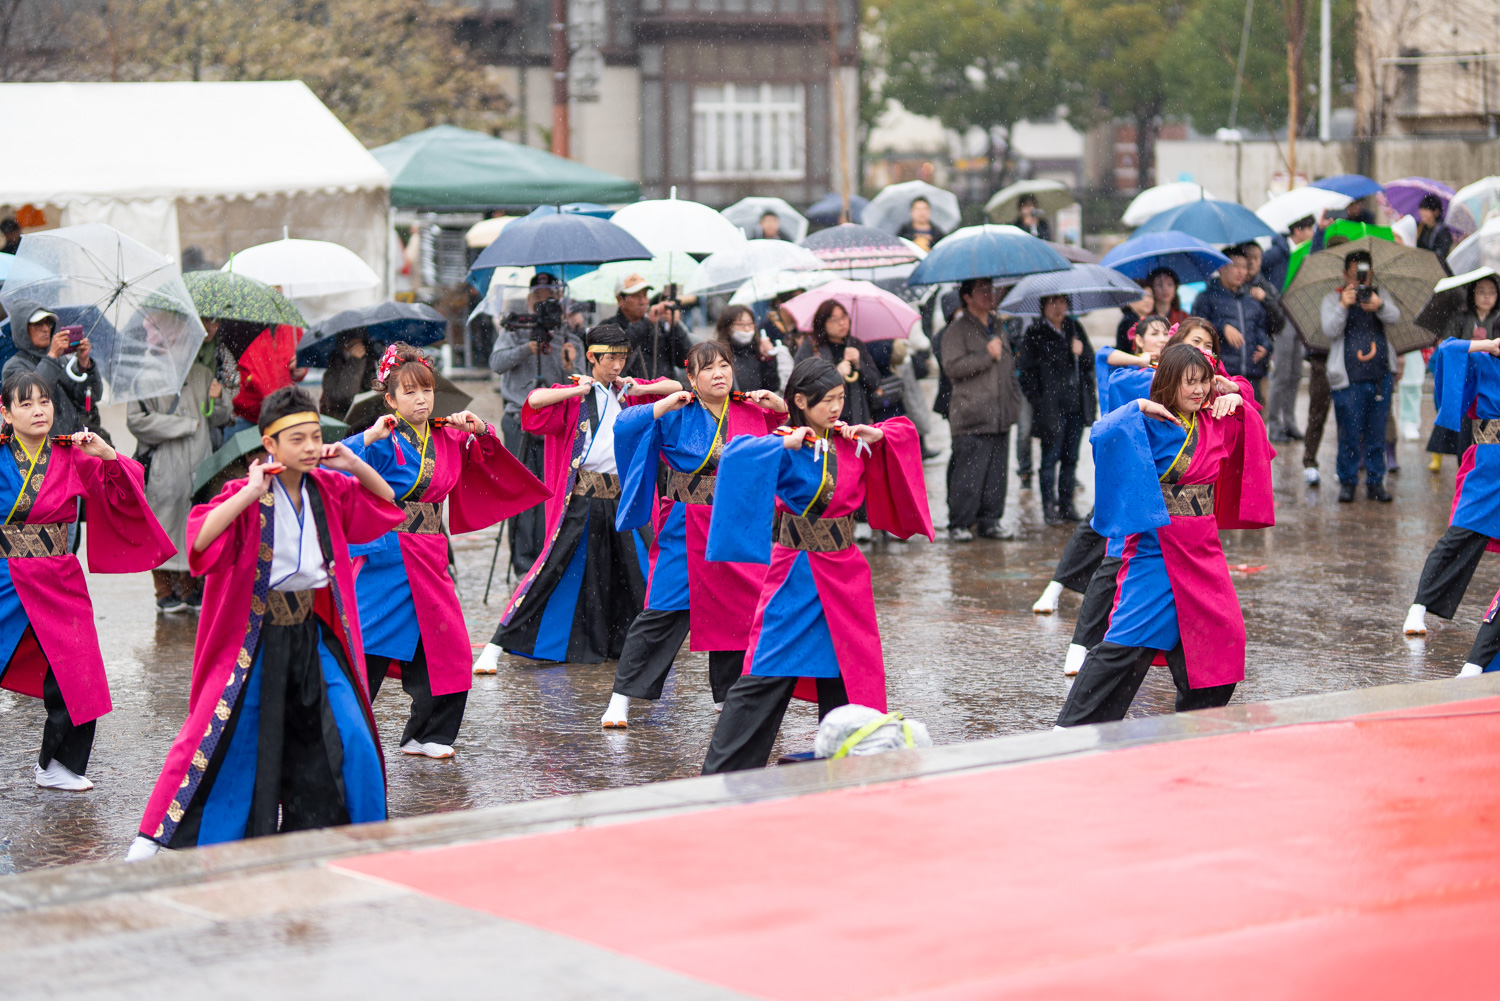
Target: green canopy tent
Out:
[455,169]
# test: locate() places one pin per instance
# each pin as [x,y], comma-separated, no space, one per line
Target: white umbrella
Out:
[304,269]
[483,232]
[746,214]
[1473,204]
[1004,205]
[729,269]
[1478,250]
[891,209]
[1155,201]
[599,285]
[1280,212]
[770,284]
[669,224]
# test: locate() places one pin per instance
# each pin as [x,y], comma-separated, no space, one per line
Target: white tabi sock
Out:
[141,848]
[618,713]
[489,660]
[1074,660]
[1416,621]
[1471,671]
[59,776]
[1047,603]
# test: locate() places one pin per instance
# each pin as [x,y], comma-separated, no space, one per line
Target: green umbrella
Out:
[1339,231]
[1404,276]
[599,285]
[368,407]
[225,295]
[232,459]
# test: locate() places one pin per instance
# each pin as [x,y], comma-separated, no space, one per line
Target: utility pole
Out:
[560,77]
[1325,72]
[832,7]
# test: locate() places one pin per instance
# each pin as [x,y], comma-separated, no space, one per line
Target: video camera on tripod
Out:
[545,319]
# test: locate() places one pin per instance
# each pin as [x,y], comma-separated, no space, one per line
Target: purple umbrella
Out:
[1404,195]
[853,246]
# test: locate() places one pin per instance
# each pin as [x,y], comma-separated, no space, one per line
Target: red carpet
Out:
[1353,859]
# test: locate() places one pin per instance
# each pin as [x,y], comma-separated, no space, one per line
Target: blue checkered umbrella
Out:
[1087,286]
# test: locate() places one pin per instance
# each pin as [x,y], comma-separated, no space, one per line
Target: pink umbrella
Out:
[874,313]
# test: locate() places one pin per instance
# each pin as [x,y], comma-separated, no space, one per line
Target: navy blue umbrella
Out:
[1087,286]
[579,208]
[1190,259]
[1349,185]
[387,322]
[1211,221]
[986,252]
[826,210]
[560,238]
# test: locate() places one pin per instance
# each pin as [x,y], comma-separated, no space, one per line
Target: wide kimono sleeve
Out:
[895,489]
[493,484]
[364,516]
[552,420]
[123,535]
[1130,500]
[745,502]
[1102,376]
[1243,497]
[221,553]
[638,436]
[1455,383]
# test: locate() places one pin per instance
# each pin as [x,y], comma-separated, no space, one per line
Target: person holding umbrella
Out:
[1056,369]
[1029,217]
[658,340]
[173,435]
[43,347]
[920,229]
[830,340]
[1467,390]
[1432,232]
[1163,283]
[351,371]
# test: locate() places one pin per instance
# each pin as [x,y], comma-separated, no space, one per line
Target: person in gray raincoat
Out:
[42,347]
[172,436]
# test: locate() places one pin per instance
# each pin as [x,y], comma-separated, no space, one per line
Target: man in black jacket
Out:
[659,343]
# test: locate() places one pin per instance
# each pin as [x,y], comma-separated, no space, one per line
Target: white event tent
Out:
[216,166]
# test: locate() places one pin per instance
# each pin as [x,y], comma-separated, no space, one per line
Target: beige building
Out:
[1428,67]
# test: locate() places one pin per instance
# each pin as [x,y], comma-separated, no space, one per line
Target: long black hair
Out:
[814,378]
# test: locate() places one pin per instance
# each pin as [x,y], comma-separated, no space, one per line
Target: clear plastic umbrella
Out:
[142,326]
[891,209]
[746,214]
[1478,250]
[1473,204]
[729,269]
[770,284]
[1004,205]
[1154,201]
[599,285]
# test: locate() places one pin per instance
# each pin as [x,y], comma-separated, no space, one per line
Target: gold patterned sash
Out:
[422,518]
[815,535]
[691,488]
[1487,432]
[1188,500]
[18,541]
[287,608]
[605,486]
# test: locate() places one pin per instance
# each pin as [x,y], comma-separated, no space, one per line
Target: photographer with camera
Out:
[532,350]
[659,343]
[59,355]
[1361,371]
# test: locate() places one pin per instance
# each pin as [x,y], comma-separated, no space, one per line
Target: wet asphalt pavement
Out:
[964,653]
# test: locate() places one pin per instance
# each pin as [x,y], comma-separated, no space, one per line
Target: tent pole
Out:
[560,142]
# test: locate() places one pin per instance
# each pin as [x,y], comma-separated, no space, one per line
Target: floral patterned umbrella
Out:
[225,295]
[852,246]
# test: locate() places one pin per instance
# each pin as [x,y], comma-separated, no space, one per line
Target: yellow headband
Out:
[609,349]
[280,424]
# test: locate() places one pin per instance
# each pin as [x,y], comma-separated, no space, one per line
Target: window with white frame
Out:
[748,130]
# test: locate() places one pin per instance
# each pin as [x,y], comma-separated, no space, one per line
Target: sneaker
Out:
[1294,434]
[194,601]
[59,776]
[1280,438]
[1377,492]
[928,454]
[1310,476]
[960,535]
[996,532]
[171,604]
[1346,493]
[1050,515]
[1066,512]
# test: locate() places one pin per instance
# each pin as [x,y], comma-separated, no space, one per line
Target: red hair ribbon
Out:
[390,360]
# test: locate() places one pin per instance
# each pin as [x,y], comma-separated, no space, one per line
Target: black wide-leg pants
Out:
[1098,603]
[434,719]
[752,717]
[1112,674]
[1081,558]
[1449,569]
[63,742]
[650,647]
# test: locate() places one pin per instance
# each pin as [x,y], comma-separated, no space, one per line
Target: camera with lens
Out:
[544,320]
[1362,282]
[668,297]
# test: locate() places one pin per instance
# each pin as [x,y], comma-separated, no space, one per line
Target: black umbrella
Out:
[561,238]
[231,460]
[369,407]
[1450,297]
[415,323]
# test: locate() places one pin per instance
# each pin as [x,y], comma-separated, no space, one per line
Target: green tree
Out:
[1111,55]
[1205,47]
[968,63]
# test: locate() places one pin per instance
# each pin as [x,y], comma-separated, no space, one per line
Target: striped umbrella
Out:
[853,246]
[1087,286]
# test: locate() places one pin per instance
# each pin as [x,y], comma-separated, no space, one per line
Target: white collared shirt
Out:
[599,450]
[296,557]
